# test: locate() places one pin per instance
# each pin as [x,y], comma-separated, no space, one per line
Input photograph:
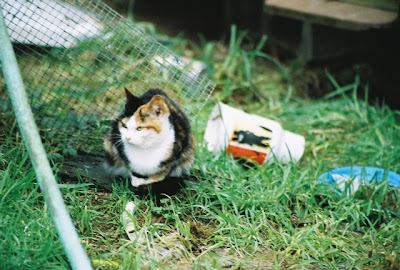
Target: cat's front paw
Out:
[136,181]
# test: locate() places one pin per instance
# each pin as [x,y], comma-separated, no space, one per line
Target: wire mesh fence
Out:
[77,56]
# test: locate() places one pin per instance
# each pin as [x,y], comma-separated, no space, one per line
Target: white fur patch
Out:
[145,158]
[136,181]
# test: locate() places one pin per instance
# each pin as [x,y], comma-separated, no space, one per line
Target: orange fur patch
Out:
[147,115]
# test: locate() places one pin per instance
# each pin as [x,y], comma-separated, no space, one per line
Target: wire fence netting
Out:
[77,56]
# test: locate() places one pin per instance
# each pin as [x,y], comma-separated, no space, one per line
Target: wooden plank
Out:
[392,5]
[332,13]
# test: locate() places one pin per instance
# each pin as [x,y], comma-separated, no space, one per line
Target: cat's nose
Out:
[128,139]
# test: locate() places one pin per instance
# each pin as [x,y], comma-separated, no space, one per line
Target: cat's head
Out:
[144,121]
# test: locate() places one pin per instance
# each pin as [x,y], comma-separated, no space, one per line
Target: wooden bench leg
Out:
[306,44]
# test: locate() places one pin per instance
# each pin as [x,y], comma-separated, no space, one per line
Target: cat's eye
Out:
[139,128]
[123,124]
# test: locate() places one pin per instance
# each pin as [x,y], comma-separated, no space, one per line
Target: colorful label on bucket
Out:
[250,141]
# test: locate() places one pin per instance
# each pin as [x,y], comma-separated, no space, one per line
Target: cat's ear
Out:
[132,102]
[158,106]
[129,95]
[131,99]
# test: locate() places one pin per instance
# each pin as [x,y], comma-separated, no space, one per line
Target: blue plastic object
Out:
[353,177]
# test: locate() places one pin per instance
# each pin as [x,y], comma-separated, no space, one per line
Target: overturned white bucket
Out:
[251,136]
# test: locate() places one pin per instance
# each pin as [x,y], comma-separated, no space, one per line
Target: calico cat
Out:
[150,141]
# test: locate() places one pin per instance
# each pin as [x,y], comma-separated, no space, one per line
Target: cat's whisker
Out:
[116,136]
[118,143]
[118,139]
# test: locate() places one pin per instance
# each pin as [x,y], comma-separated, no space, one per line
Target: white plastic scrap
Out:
[127,220]
[347,183]
[163,247]
[48,23]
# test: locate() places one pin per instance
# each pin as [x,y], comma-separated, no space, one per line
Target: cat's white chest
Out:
[147,161]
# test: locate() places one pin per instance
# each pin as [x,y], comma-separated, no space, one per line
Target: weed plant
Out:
[236,216]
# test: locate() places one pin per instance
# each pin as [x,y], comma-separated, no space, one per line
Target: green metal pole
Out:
[66,230]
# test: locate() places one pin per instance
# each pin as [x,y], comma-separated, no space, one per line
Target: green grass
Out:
[236,216]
